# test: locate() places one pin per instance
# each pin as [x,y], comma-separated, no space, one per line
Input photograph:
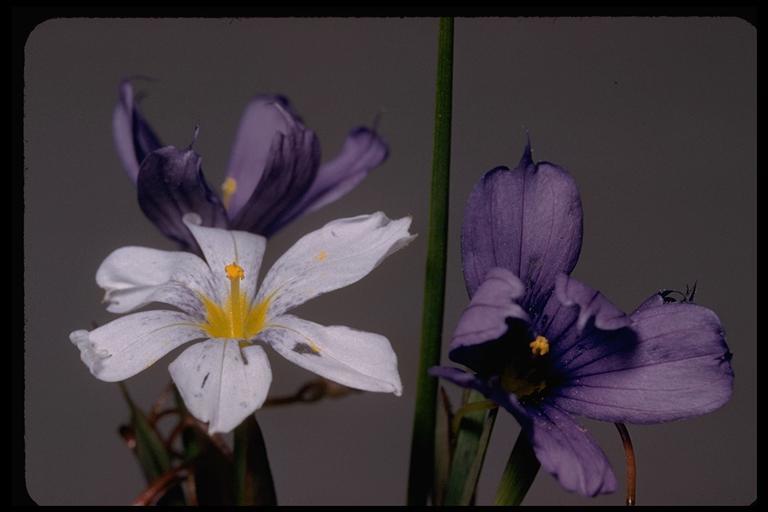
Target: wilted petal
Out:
[135,276]
[527,220]
[338,254]
[171,184]
[222,247]
[222,383]
[288,173]
[263,118]
[132,343]
[675,365]
[363,151]
[361,360]
[134,138]
[478,341]
[566,450]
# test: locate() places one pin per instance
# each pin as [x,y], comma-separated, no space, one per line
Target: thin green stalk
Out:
[472,438]
[423,442]
[519,474]
[253,476]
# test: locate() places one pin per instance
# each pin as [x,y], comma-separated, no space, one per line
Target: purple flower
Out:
[274,172]
[545,346]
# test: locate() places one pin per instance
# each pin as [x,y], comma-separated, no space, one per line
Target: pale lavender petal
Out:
[676,365]
[171,184]
[134,138]
[527,220]
[363,151]
[479,340]
[292,164]
[264,118]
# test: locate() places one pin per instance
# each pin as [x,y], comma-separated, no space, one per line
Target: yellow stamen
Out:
[228,189]
[235,319]
[539,346]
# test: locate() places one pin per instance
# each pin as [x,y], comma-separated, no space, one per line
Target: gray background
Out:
[656,119]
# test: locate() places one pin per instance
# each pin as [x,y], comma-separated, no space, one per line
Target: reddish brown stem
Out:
[152,494]
[629,453]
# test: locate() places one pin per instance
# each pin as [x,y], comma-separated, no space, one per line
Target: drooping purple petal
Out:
[676,365]
[134,138]
[565,449]
[263,118]
[527,220]
[363,151]
[171,184]
[575,313]
[292,164]
[479,340]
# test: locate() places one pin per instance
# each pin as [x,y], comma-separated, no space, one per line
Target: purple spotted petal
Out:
[527,220]
[263,118]
[576,316]
[290,168]
[171,184]
[564,448]
[675,366]
[479,340]
[363,151]
[134,138]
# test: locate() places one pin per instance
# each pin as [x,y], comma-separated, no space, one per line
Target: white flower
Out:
[225,377]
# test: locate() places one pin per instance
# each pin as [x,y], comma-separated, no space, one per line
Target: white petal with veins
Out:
[222,247]
[361,360]
[221,383]
[132,343]
[338,254]
[135,276]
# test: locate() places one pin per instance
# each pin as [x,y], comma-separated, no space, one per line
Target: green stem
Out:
[519,474]
[423,442]
[253,476]
[474,433]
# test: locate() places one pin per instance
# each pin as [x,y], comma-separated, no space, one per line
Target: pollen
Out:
[321,256]
[228,189]
[234,271]
[539,346]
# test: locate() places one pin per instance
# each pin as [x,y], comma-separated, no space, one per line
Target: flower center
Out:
[526,377]
[235,319]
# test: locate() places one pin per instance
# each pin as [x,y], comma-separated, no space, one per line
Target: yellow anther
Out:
[321,256]
[539,346]
[228,188]
[314,347]
[234,271]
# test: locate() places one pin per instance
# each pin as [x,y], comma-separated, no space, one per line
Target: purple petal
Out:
[134,138]
[264,118]
[363,151]
[675,366]
[292,164]
[171,184]
[528,221]
[573,313]
[479,340]
[566,450]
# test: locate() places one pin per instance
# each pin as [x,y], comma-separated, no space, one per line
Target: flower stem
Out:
[519,474]
[423,441]
[631,464]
